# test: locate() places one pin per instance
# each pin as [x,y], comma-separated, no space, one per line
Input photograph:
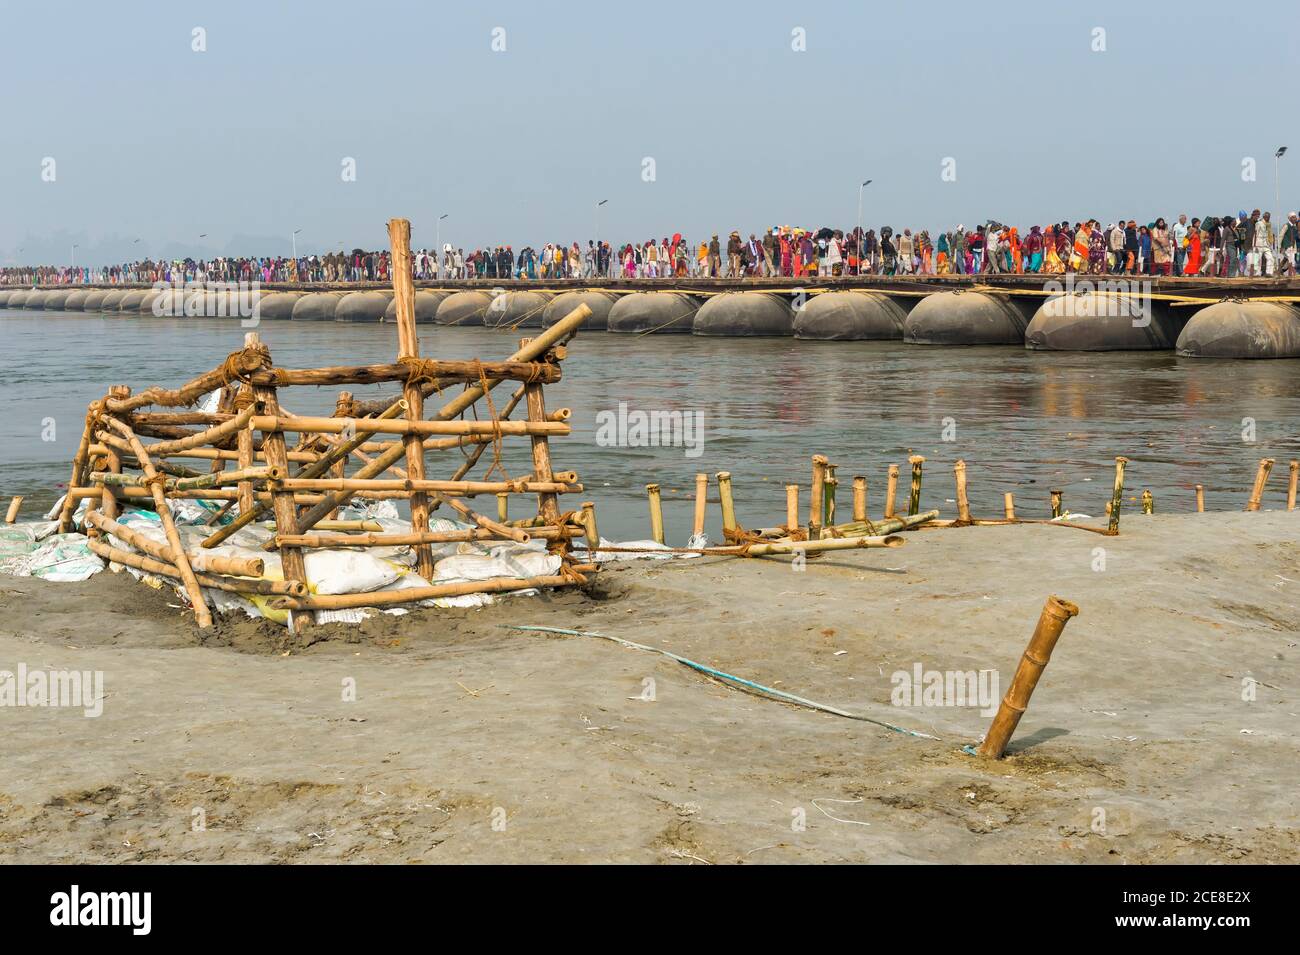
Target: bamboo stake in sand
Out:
[729,526]
[11,515]
[1200,499]
[589,522]
[815,505]
[1056,503]
[1148,503]
[1056,613]
[656,513]
[891,490]
[1291,486]
[859,498]
[1261,478]
[1117,495]
[701,502]
[963,505]
[1009,505]
[831,485]
[914,500]
[791,508]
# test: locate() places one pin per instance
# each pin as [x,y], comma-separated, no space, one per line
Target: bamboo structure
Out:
[1056,614]
[256,474]
[1261,478]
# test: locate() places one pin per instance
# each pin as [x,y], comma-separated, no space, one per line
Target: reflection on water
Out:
[1023,421]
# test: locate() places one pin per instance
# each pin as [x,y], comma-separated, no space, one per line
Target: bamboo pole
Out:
[656,513]
[1056,613]
[244,446]
[239,585]
[770,548]
[963,505]
[11,515]
[859,498]
[589,522]
[535,403]
[1056,503]
[209,563]
[1200,499]
[460,488]
[202,616]
[1117,495]
[1261,478]
[108,502]
[503,506]
[80,463]
[292,559]
[344,407]
[832,486]
[1148,503]
[816,492]
[1009,505]
[914,499]
[388,597]
[791,508]
[891,490]
[410,428]
[886,526]
[729,525]
[701,503]
[1291,485]
[318,539]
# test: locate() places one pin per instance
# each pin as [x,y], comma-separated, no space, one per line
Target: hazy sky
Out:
[246,140]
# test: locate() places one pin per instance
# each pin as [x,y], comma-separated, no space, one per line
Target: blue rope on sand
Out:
[728,678]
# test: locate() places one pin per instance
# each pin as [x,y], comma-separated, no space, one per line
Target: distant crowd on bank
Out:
[1245,244]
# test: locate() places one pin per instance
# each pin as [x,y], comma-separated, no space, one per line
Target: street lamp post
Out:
[1277,194]
[293,237]
[437,247]
[860,188]
[598,205]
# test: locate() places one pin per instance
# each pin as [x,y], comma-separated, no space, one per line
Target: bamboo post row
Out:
[891,490]
[816,491]
[1055,615]
[1200,499]
[791,508]
[729,526]
[1148,503]
[1009,505]
[859,498]
[1291,485]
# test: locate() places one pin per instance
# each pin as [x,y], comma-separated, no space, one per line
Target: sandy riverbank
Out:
[1140,714]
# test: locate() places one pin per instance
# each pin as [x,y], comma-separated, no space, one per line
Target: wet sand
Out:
[459,722]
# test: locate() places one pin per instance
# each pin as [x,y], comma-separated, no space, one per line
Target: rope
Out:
[497,464]
[728,678]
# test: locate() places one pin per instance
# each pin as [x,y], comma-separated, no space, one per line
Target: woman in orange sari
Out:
[1193,263]
[1017,254]
[1051,260]
[1082,242]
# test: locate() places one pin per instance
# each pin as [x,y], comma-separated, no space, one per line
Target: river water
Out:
[1023,421]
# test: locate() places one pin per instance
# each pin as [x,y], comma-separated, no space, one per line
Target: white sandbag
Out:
[347,572]
[518,562]
[65,558]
